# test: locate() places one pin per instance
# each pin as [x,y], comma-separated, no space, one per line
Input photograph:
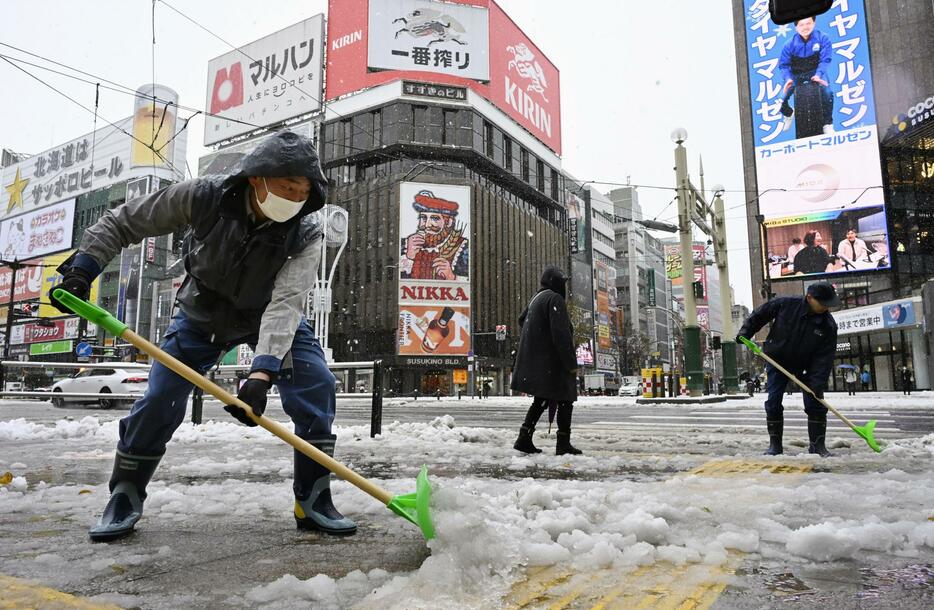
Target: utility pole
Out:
[728,343]
[694,369]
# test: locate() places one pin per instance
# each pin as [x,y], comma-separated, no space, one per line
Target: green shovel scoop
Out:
[863,431]
[413,507]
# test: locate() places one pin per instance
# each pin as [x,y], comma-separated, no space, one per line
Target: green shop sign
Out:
[52,347]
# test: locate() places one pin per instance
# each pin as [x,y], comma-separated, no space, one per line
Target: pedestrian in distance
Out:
[803,339]
[252,249]
[865,378]
[546,362]
[849,377]
[906,380]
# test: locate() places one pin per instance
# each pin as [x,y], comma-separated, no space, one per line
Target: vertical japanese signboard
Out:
[602,311]
[434,269]
[267,81]
[816,142]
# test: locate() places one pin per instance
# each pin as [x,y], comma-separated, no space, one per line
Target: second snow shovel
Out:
[413,507]
[864,431]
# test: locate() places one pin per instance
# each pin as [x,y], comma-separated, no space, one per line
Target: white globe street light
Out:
[679,135]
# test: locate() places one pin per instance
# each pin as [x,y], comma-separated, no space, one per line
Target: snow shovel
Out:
[413,507]
[863,431]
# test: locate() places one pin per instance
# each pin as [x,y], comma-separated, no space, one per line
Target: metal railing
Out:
[197,397]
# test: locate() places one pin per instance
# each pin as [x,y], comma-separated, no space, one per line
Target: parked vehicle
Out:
[101,381]
[630,388]
[602,384]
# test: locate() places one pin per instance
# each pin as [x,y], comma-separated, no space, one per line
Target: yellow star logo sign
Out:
[16,191]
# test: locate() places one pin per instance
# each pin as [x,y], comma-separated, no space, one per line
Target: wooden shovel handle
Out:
[273,426]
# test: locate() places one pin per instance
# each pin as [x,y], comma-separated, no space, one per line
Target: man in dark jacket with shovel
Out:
[803,339]
[546,363]
[251,255]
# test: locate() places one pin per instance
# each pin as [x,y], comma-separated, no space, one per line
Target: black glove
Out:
[740,336]
[77,281]
[253,393]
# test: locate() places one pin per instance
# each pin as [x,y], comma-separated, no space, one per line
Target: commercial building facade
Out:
[870,173]
[470,144]
[644,295]
[53,196]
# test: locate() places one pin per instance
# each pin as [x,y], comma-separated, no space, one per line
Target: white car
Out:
[101,381]
[630,390]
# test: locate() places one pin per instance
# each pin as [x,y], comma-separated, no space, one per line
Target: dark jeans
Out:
[306,388]
[538,407]
[775,387]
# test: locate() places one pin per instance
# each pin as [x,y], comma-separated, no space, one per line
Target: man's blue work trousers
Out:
[775,388]
[306,387]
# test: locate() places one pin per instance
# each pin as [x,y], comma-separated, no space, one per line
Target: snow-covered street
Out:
[666,505]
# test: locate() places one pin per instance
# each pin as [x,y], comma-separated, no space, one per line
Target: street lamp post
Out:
[694,369]
[335,235]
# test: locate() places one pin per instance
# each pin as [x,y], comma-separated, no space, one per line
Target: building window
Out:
[524,156]
[555,190]
[488,138]
[507,154]
[377,127]
[540,175]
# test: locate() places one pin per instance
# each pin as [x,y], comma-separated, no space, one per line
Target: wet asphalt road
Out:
[229,556]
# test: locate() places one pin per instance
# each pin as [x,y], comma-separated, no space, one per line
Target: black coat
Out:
[799,340]
[546,361]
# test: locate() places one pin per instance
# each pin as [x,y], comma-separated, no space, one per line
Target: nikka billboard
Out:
[412,39]
[434,269]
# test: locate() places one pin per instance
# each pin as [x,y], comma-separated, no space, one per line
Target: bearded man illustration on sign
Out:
[438,249]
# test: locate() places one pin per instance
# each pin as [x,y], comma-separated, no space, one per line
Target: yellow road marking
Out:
[16,593]
[657,586]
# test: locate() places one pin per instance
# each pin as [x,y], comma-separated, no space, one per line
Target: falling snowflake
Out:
[530,234]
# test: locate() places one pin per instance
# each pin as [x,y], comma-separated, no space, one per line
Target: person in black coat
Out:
[803,339]
[546,363]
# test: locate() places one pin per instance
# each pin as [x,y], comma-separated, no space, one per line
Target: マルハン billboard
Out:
[434,269]
[371,42]
[816,142]
[267,81]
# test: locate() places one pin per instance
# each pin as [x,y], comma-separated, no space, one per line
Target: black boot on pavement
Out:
[128,482]
[524,442]
[775,428]
[564,446]
[817,431]
[314,509]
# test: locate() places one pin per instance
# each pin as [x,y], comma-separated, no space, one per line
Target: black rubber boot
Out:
[564,446]
[775,428]
[314,509]
[524,442]
[128,482]
[817,431]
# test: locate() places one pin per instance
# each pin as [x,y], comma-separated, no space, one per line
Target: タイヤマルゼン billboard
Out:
[816,142]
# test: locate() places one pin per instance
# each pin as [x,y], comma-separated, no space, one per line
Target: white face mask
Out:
[278,208]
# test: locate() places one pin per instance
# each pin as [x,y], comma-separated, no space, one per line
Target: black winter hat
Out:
[824,293]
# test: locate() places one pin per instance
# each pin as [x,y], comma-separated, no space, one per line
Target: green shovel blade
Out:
[91,313]
[416,507]
[755,348]
[866,433]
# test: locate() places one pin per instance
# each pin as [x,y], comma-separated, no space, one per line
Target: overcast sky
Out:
[631,70]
